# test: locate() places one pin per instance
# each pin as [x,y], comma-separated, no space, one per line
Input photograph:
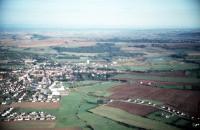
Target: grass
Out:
[99,89]
[81,54]
[67,111]
[173,120]
[73,111]
[165,66]
[158,78]
[80,83]
[127,118]
[182,122]
[176,87]
[98,122]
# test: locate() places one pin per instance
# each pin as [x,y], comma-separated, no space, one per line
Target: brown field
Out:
[39,105]
[184,100]
[132,62]
[26,125]
[44,129]
[40,43]
[27,43]
[32,125]
[136,109]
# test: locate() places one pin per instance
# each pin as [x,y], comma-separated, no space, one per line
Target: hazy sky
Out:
[101,13]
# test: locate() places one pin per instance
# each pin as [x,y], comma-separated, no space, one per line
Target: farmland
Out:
[124,117]
[73,109]
[158,78]
[167,96]
[99,82]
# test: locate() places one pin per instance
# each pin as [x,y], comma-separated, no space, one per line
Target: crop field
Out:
[100,79]
[163,66]
[99,89]
[80,83]
[73,111]
[135,109]
[160,116]
[36,105]
[176,87]
[182,123]
[127,118]
[157,78]
[171,119]
[27,125]
[184,100]
[170,85]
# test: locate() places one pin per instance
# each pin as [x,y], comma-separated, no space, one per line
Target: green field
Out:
[172,119]
[74,108]
[182,123]
[127,118]
[80,83]
[160,66]
[176,87]
[100,89]
[158,78]
[158,116]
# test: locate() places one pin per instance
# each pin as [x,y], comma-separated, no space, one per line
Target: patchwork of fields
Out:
[99,83]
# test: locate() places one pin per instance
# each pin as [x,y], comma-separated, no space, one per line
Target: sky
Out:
[100,13]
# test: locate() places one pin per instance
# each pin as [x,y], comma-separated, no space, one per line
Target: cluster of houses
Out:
[11,90]
[42,82]
[14,88]
[195,124]
[141,101]
[179,113]
[10,115]
[166,115]
[43,98]
[145,83]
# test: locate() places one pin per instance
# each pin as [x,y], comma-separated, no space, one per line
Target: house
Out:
[55,93]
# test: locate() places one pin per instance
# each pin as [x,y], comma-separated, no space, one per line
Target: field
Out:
[73,109]
[158,116]
[170,85]
[157,78]
[36,105]
[159,67]
[125,117]
[184,100]
[105,74]
[172,119]
[27,125]
[135,109]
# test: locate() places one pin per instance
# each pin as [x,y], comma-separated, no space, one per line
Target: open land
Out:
[100,81]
